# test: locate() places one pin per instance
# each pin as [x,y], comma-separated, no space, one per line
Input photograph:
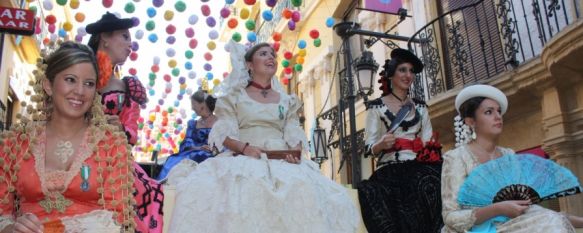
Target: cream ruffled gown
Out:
[244,194]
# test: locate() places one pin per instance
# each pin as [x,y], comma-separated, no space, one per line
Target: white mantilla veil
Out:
[239,77]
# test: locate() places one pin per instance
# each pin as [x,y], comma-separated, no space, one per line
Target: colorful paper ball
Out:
[302,52]
[229,1]
[156,60]
[267,15]
[133,56]
[205,9]
[208,56]
[286,13]
[330,22]
[192,43]
[155,68]
[74,4]
[249,2]
[189,32]
[300,60]
[151,12]
[207,67]
[133,71]
[251,36]
[225,12]
[210,21]
[168,15]
[314,34]
[188,65]
[172,63]
[271,3]
[68,26]
[296,3]
[188,54]
[175,72]
[296,16]
[107,3]
[285,63]
[302,44]
[291,25]
[211,45]
[288,55]
[317,42]
[170,29]
[51,19]
[288,70]
[180,6]
[192,19]
[213,34]
[79,17]
[170,40]
[244,14]
[298,67]
[153,38]
[275,46]
[276,36]
[139,34]
[250,25]
[150,25]
[52,28]
[232,23]
[129,8]
[48,5]
[170,52]
[158,3]
[236,37]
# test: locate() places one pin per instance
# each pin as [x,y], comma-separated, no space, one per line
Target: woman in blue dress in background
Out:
[195,145]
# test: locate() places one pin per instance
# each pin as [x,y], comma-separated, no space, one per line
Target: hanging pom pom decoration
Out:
[296,16]
[314,34]
[249,2]
[236,37]
[158,3]
[192,19]
[267,15]
[107,3]
[206,10]
[210,21]
[271,3]
[151,12]
[330,22]
[251,36]
[180,6]
[291,25]
[250,25]
[225,12]
[244,14]
[129,8]
[296,3]
[232,23]
[79,17]
[168,15]
[317,42]
[189,32]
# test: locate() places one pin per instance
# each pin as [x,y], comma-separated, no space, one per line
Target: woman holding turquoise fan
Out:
[512,209]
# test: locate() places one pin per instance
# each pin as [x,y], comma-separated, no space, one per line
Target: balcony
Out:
[481,41]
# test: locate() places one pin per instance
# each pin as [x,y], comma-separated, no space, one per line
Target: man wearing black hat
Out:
[112,43]
[403,194]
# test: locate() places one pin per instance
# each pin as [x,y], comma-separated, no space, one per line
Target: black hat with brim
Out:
[407,56]
[109,23]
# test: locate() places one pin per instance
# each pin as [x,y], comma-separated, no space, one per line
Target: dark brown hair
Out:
[202,96]
[69,54]
[468,108]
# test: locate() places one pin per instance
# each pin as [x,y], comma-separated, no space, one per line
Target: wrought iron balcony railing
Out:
[485,38]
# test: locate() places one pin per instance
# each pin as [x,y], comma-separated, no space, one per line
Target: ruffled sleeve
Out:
[426,128]
[227,124]
[453,174]
[374,128]
[292,131]
[130,112]
[12,147]
[188,143]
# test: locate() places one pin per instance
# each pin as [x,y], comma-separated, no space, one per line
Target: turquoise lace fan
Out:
[517,177]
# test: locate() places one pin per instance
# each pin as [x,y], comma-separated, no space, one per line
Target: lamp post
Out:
[366,66]
[319,143]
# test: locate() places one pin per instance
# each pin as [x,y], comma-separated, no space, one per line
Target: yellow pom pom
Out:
[68,26]
[168,15]
[244,13]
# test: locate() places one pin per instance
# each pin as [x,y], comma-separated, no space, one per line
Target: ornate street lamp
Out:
[319,143]
[366,68]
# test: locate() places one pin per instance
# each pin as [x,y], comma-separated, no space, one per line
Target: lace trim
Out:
[94,221]
[5,222]
[39,155]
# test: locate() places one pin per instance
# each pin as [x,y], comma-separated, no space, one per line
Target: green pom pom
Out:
[317,42]
[285,63]
[189,54]
[296,3]
[250,25]
[236,37]
[175,72]
[150,25]
[129,8]
[180,6]
[62,2]
[298,67]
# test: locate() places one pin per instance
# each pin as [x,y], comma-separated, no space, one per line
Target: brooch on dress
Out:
[280,112]
[85,170]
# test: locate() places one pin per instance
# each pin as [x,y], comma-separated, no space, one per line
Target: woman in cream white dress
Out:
[481,108]
[240,190]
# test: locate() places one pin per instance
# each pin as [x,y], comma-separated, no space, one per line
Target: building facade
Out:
[528,49]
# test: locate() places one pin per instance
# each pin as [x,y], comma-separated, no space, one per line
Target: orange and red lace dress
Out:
[57,197]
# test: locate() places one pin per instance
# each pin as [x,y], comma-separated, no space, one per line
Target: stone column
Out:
[562,110]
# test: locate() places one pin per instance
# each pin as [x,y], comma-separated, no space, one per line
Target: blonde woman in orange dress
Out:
[67,170]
